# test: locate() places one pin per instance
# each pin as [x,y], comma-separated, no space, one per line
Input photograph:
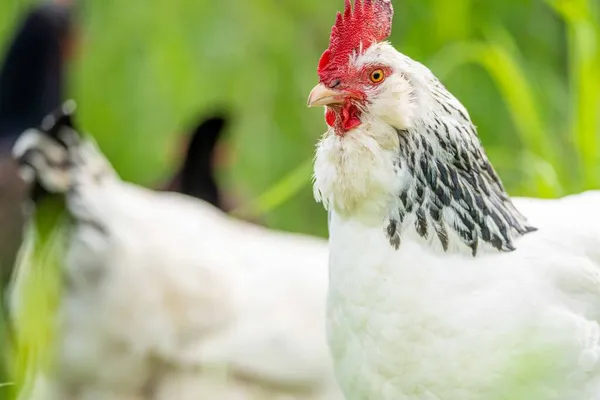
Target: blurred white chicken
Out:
[168,298]
[439,288]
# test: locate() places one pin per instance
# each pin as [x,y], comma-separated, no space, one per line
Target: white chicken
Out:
[168,298]
[440,289]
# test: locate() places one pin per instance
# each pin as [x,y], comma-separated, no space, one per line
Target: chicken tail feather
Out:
[53,156]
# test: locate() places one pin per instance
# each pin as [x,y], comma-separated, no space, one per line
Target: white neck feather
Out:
[356,175]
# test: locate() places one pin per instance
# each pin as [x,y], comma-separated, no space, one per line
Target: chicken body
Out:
[168,298]
[414,324]
[441,286]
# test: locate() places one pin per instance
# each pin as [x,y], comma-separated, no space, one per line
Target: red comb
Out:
[369,22]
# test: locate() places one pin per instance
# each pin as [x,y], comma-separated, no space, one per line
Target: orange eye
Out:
[377,76]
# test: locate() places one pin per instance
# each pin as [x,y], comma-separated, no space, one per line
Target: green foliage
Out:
[524,69]
[527,70]
[37,284]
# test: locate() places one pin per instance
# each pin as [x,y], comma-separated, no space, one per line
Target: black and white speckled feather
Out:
[453,187]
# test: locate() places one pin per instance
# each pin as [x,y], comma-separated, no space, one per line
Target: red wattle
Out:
[330,117]
[350,123]
[344,119]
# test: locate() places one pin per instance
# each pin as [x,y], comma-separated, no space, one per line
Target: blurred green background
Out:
[527,70]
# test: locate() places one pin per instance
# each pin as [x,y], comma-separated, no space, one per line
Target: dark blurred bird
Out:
[203,152]
[196,177]
[31,85]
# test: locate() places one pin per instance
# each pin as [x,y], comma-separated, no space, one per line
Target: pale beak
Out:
[321,95]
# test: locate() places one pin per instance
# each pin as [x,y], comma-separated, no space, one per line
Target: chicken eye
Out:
[376,76]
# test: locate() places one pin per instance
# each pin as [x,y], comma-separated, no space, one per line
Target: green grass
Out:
[527,70]
[39,283]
